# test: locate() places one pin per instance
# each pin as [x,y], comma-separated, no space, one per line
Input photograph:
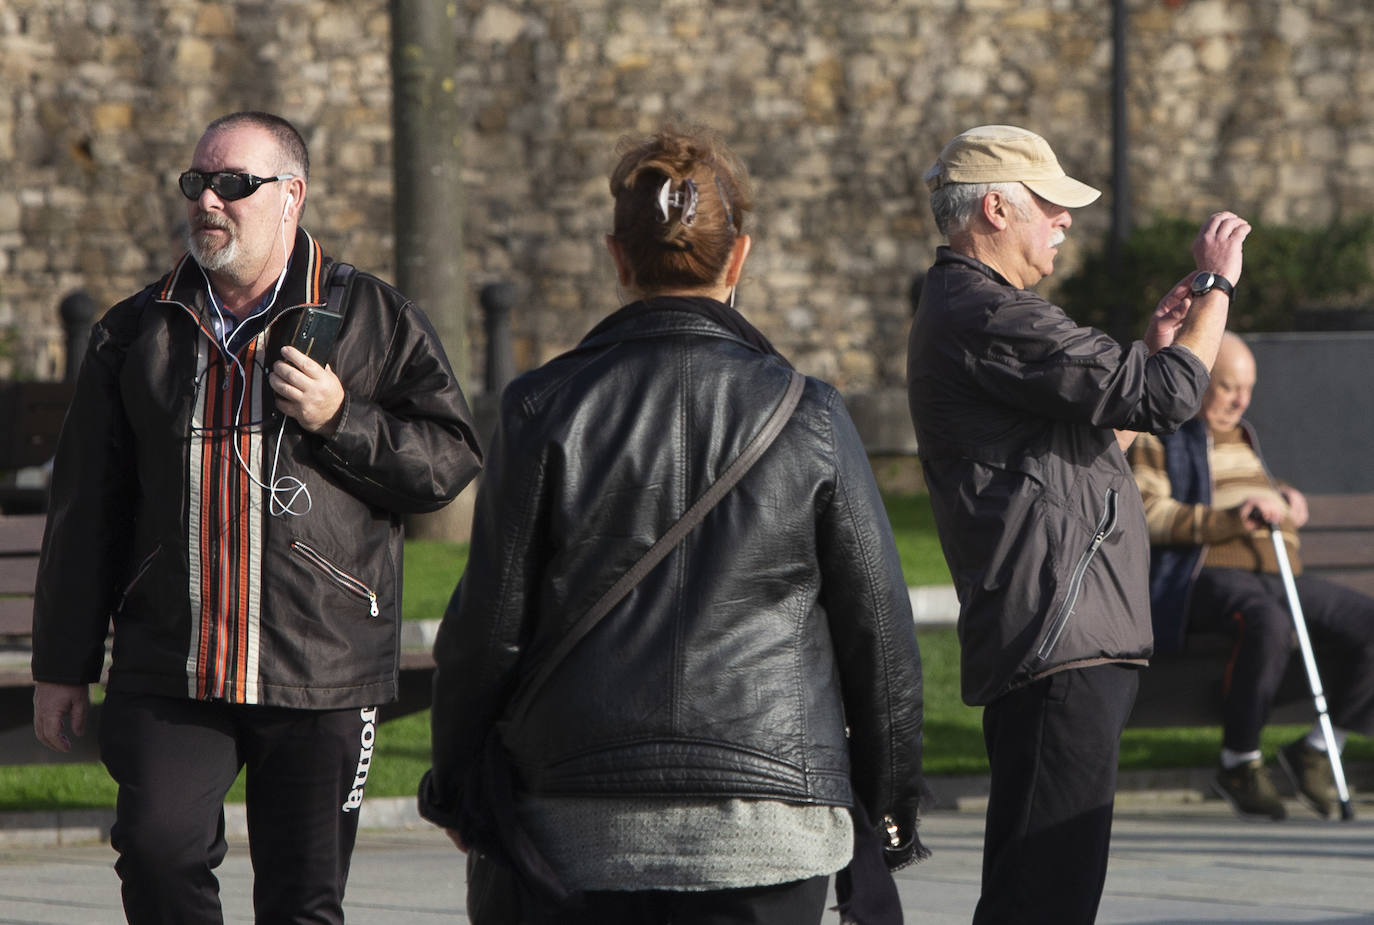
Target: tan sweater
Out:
[1237,474]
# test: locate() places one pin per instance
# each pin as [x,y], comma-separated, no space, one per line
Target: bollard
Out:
[497,300]
[77,310]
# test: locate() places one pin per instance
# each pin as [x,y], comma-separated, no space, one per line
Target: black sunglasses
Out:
[227,184]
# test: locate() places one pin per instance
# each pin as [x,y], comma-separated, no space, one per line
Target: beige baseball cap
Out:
[1005,154]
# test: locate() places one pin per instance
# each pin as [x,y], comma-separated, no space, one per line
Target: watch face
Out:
[1203,282]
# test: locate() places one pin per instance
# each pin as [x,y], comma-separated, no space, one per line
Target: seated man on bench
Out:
[1208,501]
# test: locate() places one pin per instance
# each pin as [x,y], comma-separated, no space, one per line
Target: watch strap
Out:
[1204,281]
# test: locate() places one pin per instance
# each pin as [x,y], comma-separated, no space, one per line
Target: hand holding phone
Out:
[315,333]
[312,396]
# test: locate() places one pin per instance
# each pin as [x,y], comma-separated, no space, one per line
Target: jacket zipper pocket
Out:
[143,567]
[338,576]
[1105,525]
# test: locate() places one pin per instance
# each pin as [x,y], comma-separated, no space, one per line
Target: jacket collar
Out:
[666,315]
[947,256]
[304,283]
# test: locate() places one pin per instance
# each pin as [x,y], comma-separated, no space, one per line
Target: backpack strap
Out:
[340,276]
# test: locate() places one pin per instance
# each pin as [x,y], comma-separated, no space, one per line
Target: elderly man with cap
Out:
[1021,418]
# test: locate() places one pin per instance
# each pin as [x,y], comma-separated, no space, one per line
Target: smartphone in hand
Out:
[315,333]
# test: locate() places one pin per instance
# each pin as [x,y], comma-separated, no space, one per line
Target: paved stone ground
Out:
[1174,862]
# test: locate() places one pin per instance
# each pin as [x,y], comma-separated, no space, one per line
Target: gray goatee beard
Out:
[212,260]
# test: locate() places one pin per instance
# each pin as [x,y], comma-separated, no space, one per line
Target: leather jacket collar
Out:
[635,317]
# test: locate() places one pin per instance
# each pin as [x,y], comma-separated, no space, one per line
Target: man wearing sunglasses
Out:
[234,508]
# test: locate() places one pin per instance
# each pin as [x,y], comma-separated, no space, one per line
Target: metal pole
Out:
[1310,663]
[1119,323]
[77,310]
[497,301]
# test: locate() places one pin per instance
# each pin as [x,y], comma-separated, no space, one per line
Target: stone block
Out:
[1326,86]
[1208,17]
[569,258]
[193,56]
[10,212]
[216,20]
[111,117]
[497,24]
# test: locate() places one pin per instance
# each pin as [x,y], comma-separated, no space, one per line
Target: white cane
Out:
[1313,678]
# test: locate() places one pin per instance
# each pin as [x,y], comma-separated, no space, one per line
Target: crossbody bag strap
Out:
[665,543]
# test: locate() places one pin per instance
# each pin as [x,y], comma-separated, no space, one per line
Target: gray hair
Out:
[955,203]
[293,156]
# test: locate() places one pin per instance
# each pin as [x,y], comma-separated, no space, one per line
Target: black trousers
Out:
[1253,607]
[174,760]
[496,897]
[1052,748]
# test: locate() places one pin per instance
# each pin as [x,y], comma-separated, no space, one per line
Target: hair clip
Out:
[684,198]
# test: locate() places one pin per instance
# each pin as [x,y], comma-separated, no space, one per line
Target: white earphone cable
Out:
[287,483]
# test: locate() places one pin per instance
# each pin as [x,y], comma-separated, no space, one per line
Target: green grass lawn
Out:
[953,731]
[432,568]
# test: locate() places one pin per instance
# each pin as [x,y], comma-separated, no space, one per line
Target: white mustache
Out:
[1058,238]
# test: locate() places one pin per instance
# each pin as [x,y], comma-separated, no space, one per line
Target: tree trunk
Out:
[426,158]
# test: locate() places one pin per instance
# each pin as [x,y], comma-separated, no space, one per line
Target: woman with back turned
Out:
[707,750]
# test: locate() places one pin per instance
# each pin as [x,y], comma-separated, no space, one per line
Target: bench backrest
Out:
[20,539]
[1338,540]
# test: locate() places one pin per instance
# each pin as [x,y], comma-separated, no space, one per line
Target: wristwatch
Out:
[1205,281]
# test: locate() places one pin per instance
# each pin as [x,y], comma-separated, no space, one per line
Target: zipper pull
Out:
[372,598]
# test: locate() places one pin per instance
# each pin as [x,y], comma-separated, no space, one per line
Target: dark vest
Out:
[1172,568]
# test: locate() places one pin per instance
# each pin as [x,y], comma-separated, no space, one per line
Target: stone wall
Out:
[1263,106]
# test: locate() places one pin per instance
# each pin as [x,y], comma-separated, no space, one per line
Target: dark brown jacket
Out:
[1038,514]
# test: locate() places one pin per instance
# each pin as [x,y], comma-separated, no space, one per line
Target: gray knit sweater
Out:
[674,844]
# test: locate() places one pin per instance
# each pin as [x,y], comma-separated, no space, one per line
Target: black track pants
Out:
[1052,748]
[174,760]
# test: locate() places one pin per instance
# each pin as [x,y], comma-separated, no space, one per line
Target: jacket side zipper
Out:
[338,576]
[1105,525]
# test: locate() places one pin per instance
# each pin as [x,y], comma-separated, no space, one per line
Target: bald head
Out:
[1233,381]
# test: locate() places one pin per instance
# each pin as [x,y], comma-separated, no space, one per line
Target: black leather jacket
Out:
[733,668]
[1038,513]
[156,524]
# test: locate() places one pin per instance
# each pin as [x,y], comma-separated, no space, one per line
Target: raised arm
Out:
[1202,320]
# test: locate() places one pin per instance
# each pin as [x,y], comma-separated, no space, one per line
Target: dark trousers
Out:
[174,760]
[495,897]
[1254,608]
[1052,749]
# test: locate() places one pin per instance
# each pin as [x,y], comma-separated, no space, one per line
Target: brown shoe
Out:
[1249,790]
[1310,772]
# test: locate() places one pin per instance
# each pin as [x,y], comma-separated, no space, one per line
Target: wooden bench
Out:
[1185,688]
[20,539]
